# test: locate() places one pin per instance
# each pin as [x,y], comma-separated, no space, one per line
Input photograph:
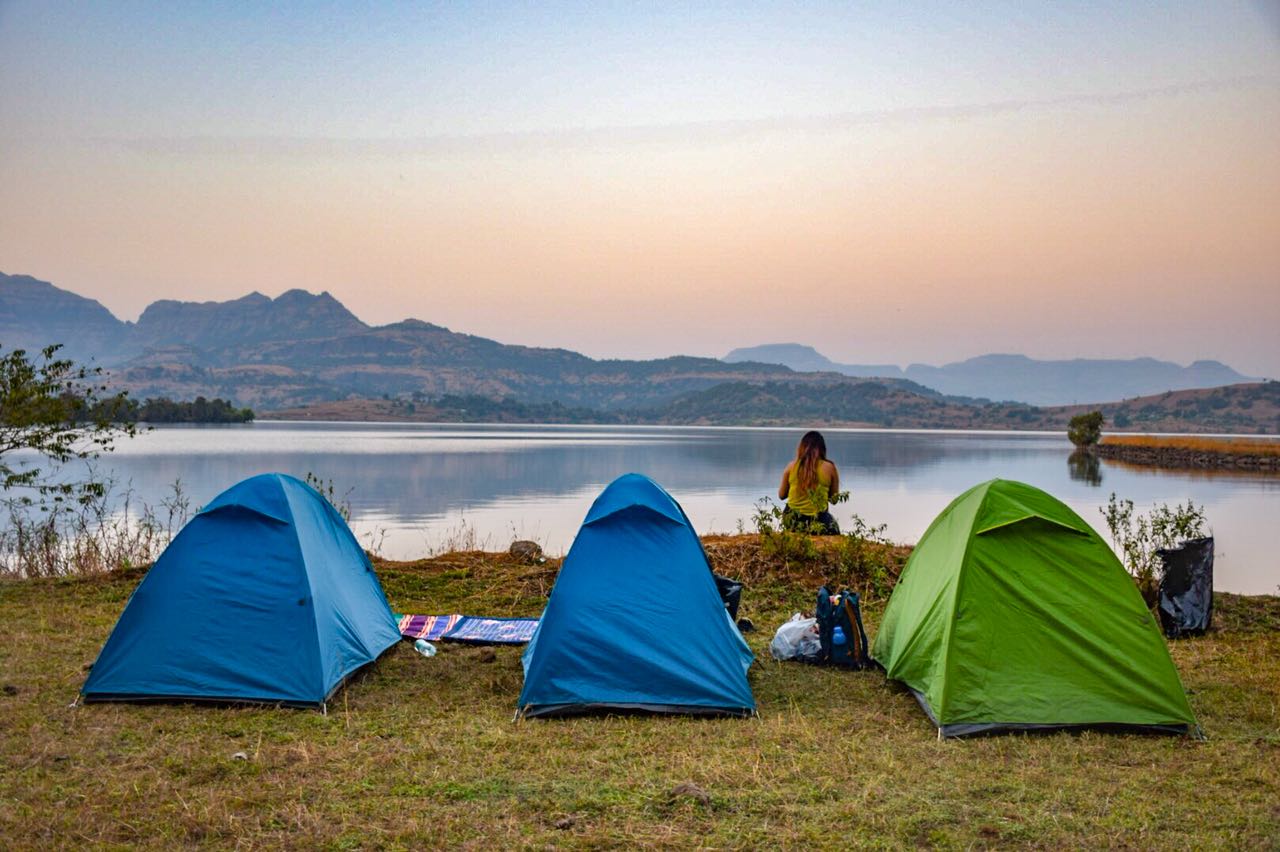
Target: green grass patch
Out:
[423,753]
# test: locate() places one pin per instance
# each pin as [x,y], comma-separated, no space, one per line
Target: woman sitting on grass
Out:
[808,484]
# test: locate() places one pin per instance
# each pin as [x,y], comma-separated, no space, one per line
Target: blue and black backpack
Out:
[844,642]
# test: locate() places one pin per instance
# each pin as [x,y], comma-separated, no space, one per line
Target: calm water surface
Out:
[419,488]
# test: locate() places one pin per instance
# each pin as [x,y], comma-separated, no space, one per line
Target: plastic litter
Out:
[425,648]
[796,639]
[1186,588]
[730,592]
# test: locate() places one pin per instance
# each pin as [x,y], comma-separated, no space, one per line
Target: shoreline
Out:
[1198,453]
[739,555]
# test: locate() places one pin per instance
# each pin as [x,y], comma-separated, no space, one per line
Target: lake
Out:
[418,488]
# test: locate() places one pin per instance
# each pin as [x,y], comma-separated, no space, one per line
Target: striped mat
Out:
[430,627]
[468,628]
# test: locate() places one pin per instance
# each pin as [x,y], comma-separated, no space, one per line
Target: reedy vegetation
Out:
[108,529]
[1139,538]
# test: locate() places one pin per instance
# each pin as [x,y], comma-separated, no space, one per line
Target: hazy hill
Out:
[420,360]
[805,358]
[1017,377]
[220,328]
[1078,380]
[34,314]
[1241,408]
[862,403]
[1246,408]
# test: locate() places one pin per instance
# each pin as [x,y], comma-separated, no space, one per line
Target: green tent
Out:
[1013,613]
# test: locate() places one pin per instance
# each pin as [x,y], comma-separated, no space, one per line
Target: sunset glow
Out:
[888,186]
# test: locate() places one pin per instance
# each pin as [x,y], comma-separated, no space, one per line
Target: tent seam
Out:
[1029,517]
[311,592]
[955,603]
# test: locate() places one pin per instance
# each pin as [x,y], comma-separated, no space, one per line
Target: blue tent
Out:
[634,621]
[264,596]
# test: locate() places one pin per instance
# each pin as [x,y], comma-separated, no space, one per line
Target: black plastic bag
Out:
[731,593]
[1186,589]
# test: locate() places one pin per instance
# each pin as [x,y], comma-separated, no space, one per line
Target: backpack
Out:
[841,611]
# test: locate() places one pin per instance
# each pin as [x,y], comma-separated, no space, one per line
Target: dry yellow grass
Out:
[1199,444]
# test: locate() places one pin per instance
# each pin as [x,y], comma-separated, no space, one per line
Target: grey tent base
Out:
[206,700]
[978,729]
[548,711]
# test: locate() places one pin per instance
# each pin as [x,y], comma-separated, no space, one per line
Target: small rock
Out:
[692,791]
[10,689]
[526,551]
[240,755]
[565,823]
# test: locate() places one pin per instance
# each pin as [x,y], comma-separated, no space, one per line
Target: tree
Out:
[1085,430]
[60,411]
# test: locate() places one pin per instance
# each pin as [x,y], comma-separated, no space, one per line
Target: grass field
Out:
[423,753]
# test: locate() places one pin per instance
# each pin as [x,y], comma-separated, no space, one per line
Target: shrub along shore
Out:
[1193,452]
[417,751]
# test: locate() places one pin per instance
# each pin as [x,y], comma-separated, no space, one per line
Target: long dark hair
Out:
[811,452]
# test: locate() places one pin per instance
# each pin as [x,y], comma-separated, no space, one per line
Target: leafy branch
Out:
[61,412]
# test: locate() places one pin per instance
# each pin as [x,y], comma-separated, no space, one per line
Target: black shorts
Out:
[819,524]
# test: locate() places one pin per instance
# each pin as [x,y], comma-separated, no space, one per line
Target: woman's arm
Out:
[835,479]
[785,487]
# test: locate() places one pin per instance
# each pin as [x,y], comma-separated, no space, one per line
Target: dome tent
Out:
[264,596]
[1013,613]
[635,621]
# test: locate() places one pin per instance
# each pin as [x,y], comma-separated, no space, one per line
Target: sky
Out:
[887,182]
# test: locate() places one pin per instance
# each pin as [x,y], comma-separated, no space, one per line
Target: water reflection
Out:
[422,483]
[1084,466]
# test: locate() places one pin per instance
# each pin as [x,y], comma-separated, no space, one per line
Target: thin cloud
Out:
[451,145]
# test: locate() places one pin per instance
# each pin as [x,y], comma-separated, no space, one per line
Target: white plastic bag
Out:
[796,639]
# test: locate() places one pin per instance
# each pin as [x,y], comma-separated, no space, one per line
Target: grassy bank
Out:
[1193,451]
[422,752]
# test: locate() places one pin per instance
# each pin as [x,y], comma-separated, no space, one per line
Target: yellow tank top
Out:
[816,500]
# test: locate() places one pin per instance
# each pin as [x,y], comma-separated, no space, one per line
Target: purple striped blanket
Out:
[429,627]
[468,628]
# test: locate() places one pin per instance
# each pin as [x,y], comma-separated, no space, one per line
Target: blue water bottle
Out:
[839,644]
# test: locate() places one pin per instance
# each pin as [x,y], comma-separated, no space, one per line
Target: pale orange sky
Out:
[1055,186]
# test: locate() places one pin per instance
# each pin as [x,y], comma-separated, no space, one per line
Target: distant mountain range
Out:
[302,348]
[34,313]
[307,353]
[1017,377]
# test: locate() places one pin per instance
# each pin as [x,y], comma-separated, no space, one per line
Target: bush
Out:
[1085,430]
[861,558]
[867,555]
[778,542]
[61,413]
[1137,538]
